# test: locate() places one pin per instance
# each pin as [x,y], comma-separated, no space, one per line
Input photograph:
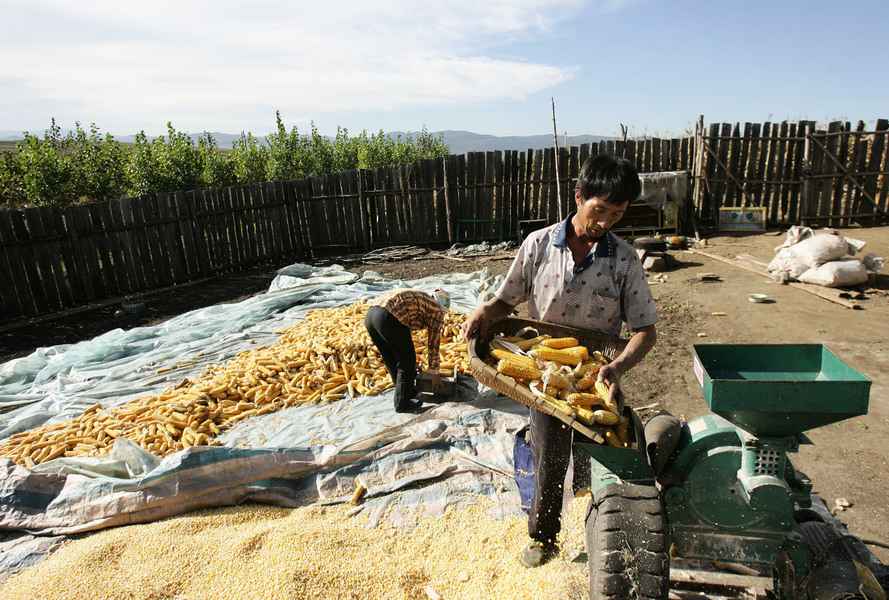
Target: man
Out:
[389,323]
[576,273]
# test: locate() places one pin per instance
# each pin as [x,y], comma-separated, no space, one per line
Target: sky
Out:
[488,66]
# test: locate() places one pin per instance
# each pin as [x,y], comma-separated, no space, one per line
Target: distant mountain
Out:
[458,141]
[467,141]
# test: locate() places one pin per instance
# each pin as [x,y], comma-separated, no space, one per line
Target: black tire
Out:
[650,244]
[628,544]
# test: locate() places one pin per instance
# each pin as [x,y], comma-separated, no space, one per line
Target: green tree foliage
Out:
[84,165]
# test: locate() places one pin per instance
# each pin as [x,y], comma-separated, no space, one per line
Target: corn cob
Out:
[605,417]
[553,354]
[587,381]
[507,355]
[580,352]
[517,370]
[623,430]
[613,440]
[565,342]
[584,368]
[607,400]
[556,380]
[585,400]
[530,343]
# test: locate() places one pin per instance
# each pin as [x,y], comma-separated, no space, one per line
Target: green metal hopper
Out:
[778,390]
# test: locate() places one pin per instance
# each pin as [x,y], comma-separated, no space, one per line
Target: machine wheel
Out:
[627,544]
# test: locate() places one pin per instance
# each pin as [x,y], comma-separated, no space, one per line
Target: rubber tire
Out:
[628,544]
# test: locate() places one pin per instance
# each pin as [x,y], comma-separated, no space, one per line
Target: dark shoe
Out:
[409,406]
[537,553]
[405,393]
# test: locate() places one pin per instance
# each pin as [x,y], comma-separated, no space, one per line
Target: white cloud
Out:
[227,64]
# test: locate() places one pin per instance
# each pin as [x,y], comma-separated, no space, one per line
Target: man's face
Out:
[595,215]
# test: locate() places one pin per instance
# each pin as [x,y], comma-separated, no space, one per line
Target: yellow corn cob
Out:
[565,342]
[587,381]
[600,358]
[517,370]
[585,415]
[585,400]
[580,352]
[605,417]
[613,440]
[623,430]
[584,368]
[603,390]
[526,344]
[560,356]
[556,380]
[505,354]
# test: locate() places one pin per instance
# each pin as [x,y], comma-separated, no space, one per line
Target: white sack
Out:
[838,273]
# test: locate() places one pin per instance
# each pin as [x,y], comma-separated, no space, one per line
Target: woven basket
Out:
[488,375]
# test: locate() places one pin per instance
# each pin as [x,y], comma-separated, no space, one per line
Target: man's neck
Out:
[581,240]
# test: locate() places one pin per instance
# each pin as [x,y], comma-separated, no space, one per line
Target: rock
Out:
[655,264]
[842,504]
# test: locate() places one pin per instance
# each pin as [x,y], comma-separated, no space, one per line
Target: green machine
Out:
[727,491]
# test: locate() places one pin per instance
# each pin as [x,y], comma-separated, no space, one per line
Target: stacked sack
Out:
[824,258]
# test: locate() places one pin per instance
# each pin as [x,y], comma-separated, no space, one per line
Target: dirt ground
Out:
[848,459]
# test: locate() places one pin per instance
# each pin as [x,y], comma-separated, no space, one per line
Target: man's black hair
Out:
[605,175]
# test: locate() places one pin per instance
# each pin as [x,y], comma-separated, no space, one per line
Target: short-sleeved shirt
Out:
[417,310]
[607,288]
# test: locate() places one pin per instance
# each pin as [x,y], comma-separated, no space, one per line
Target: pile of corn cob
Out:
[563,375]
[323,358]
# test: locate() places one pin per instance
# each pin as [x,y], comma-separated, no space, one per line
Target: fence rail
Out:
[55,259]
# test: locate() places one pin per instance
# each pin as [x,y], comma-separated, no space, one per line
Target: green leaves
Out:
[84,165]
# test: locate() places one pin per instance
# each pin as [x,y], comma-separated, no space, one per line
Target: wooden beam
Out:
[719,578]
[848,175]
[811,289]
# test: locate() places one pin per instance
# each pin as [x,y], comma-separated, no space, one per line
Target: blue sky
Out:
[488,67]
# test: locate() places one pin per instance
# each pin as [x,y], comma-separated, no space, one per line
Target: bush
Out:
[85,165]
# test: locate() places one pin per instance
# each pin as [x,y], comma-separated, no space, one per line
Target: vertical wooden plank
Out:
[185,233]
[631,151]
[111,266]
[76,274]
[497,191]
[142,239]
[841,183]
[656,148]
[610,147]
[40,245]
[584,154]
[776,202]
[543,187]
[877,151]
[172,238]
[735,150]
[226,233]
[64,269]
[122,217]
[154,209]
[856,164]
[565,182]
[30,258]
[827,168]
[882,195]
[18,300]
[748,161]
[794,171]
[199,226]
[84,251]
[761,189]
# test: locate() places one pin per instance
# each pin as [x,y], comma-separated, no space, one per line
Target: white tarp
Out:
[423,463]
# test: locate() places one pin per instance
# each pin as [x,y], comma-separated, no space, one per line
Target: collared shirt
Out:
[417,310]
[605,289]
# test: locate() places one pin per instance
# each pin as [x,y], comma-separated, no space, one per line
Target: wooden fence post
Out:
[808,188]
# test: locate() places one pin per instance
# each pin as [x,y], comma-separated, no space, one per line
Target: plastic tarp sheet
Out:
[412,465]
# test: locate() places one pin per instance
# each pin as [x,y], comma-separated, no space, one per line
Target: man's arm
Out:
[483,316]
[637,347]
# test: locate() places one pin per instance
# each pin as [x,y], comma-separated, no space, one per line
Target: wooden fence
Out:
[58,259]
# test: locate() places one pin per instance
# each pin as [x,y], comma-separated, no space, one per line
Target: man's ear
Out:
[578,199]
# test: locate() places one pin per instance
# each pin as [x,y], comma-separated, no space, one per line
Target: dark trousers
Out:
[393,340]
[551,444]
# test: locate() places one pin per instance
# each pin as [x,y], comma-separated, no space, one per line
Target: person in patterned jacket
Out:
[389,322]
[576,273]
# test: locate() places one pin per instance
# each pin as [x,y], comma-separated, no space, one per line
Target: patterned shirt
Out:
[608,287]
[417,310]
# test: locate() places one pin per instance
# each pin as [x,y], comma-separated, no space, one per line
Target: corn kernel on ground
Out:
[309,553]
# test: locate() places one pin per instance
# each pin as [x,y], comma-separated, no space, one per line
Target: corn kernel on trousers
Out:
[393,340]
[551,445]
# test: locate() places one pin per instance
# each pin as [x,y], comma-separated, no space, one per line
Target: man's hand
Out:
[476,324]
[610,374]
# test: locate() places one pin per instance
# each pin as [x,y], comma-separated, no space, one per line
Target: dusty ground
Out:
[848,459]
